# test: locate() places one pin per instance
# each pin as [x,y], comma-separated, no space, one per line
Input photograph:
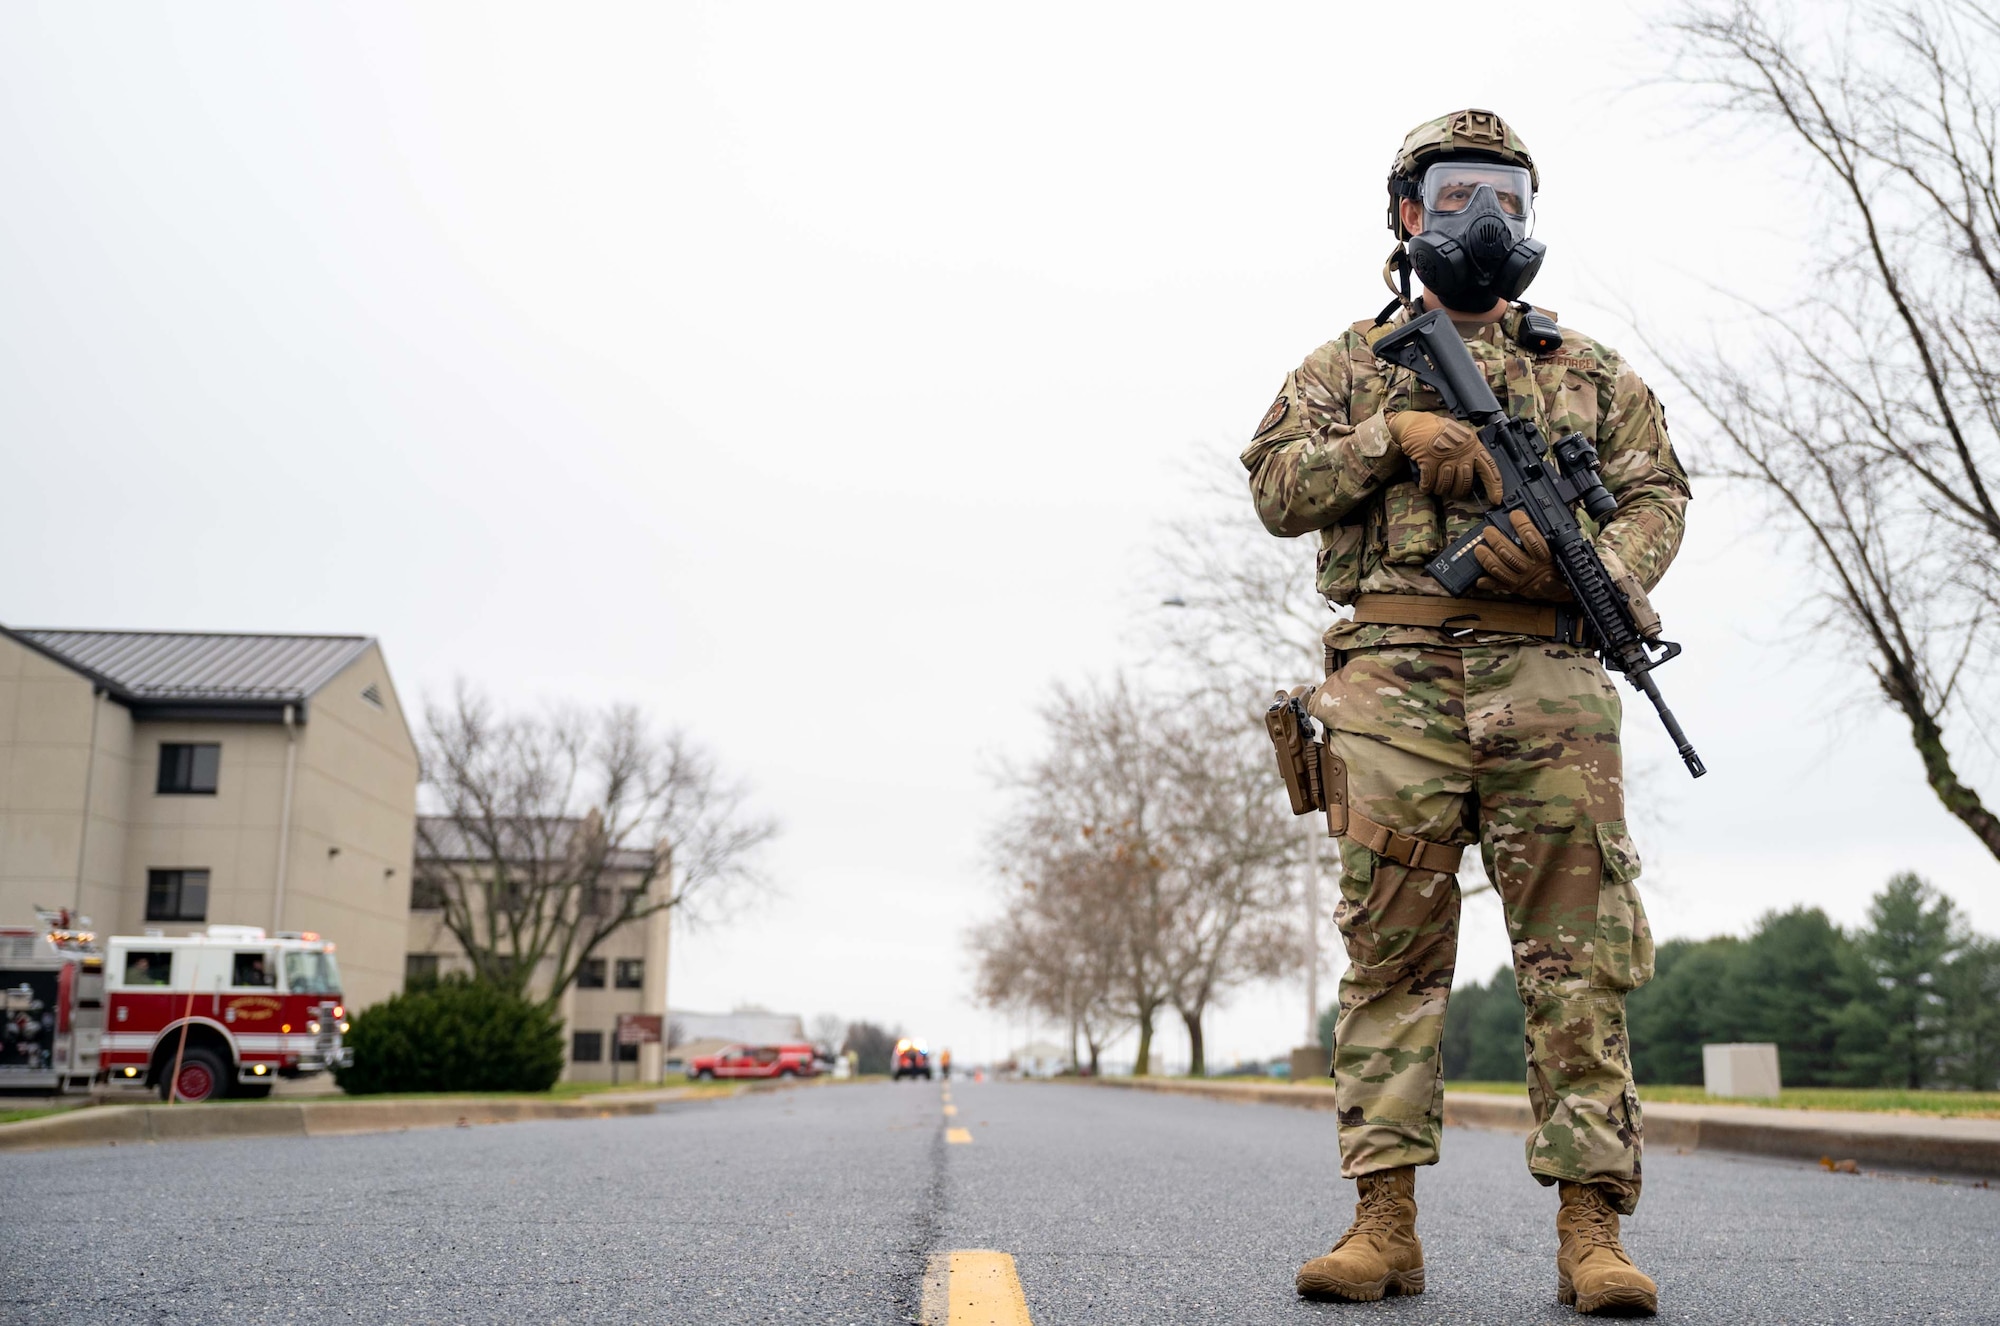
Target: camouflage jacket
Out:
[1322,460]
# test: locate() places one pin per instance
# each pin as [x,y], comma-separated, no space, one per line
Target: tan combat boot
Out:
[1379,1254]
[1593,1274]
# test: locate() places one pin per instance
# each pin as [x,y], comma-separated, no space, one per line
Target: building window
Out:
[176,895]
[631,973]
[590,976]
[426,893]
[189,769]
[587,1047]
[628,1054]
[419,969]
[596,900]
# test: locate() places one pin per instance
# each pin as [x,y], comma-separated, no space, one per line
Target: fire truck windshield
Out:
[311,973]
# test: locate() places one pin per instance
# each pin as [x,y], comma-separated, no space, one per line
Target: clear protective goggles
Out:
[1449,186]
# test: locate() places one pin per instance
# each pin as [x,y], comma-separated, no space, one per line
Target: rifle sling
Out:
[1461,617]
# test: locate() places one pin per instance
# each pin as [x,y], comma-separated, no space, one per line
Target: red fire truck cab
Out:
[255,1009]
[224,1012]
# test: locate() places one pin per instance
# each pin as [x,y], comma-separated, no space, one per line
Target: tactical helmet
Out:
[1477,135]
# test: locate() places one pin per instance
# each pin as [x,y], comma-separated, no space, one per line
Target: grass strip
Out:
[16,1116]
[1941,1104]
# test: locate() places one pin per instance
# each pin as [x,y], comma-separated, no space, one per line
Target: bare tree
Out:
[1869,415]
[873,1047]
[1234,854]
[1245,613]
[1056,949]
[1086,820]
[549,832]
[1147,864]
[828,1031]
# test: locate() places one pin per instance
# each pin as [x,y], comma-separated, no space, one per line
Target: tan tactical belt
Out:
[1461,617]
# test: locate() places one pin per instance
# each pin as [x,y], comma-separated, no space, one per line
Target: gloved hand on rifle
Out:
[1447,453]
[1526,569]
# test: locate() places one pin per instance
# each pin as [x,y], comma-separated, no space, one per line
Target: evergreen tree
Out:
[1683,1008]
[1971,993]
[1485,1031]
[1787,985]
[1894,1031]
[1909,999]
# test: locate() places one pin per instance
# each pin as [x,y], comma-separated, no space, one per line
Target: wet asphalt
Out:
[821,1204]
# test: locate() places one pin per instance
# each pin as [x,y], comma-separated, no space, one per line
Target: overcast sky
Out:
[819,377]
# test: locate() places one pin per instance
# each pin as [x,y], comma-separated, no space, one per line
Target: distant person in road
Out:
[1484,719]
[944,1063]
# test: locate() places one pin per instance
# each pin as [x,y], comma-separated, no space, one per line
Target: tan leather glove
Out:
[1527,569]
[1448,454]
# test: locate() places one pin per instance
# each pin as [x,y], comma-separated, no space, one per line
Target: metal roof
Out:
[200,670]
[521,840]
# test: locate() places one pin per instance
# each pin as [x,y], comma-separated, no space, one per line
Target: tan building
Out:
[627,974]
[170,780]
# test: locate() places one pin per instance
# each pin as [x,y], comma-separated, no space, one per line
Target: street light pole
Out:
[1312,933]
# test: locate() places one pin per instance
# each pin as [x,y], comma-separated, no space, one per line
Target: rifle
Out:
[1430,347]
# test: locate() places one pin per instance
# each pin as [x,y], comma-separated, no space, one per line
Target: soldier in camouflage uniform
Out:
[1473,720]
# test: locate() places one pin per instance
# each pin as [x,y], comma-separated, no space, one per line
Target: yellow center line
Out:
[957,1135]
[950,1110]
[973,1288]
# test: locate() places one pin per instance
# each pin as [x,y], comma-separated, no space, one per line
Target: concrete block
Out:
[1741,1069]
[1311,1063]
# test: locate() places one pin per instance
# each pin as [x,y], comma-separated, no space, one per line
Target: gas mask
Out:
[1474,248]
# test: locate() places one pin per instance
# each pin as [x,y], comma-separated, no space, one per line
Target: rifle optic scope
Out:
[1577,459]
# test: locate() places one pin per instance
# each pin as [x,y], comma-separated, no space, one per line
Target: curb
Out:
[1941,1145]
[110,1125]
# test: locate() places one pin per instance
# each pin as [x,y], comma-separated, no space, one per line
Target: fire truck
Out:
[225,1012]
[51,1004]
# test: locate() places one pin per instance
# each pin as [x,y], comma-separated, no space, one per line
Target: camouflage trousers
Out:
[1515,747]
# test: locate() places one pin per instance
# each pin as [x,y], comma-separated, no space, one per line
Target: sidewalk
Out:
[1900,1141]
[114,1124]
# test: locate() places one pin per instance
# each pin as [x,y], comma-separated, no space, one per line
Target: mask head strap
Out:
[1399,284]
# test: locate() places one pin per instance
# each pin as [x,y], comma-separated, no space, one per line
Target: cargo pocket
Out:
[1412,529]
[1352,915]
[1622,954]
[1339,561]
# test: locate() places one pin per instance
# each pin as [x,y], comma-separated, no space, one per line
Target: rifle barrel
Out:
[1684,747]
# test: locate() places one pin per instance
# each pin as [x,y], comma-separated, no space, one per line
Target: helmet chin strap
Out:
[1399,284]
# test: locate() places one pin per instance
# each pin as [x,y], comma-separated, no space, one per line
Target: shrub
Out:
[455,1035]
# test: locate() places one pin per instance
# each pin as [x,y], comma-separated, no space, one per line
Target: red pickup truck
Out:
[738,1061]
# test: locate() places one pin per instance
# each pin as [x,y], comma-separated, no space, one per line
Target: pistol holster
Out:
[1315,778]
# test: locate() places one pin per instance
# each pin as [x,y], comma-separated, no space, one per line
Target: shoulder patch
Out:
[1275,415]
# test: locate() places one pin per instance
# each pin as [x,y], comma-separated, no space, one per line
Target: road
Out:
[823,1204]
